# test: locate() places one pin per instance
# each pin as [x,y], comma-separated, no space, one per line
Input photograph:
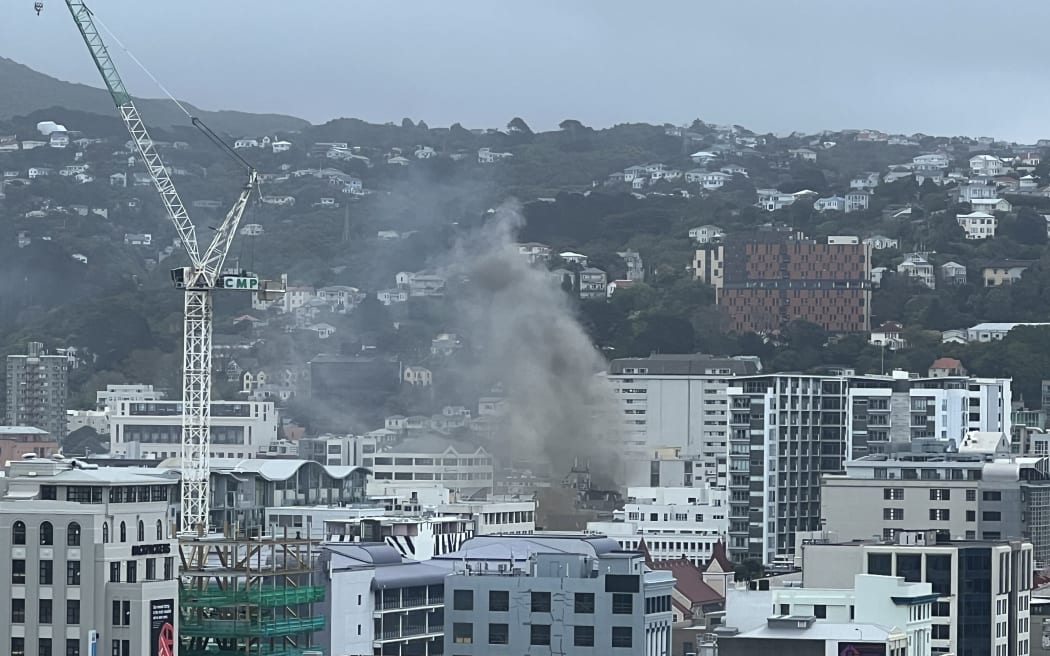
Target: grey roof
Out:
[433,444]
[518,548]
[21,430]
[270,469]
[104,475]
[822,631]
[684,364]
[391,570]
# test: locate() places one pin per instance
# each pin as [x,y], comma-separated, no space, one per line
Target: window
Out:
[72,611]
[540,603]
[820,610]
[971,515]
[463,600]
[160,530]
[499,634]
[142,531]
[105,532]
[116,612]
[169,568]
[785,609]
[47,534]
[18,571]
[940,632]
[940,494]
[43,647]
[18,533]
[992,496]
[44,611]
[939,514]
[114,572]
[73,535]
[132,576]
[463,633]
[583,603]
[73,646]
[893,514]
[893,493]
[499,600]
[47,572]
[583,636]
[18,647]
[73,572]
[991,516]
[125,613]
[622,636]
[622,604]
[121,648]
[18,611]
[540,634]
[123,532]
[151,569]
[971,495]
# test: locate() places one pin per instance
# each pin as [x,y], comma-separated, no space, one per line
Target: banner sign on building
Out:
[162,627]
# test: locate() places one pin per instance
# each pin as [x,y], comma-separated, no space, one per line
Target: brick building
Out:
[766,279]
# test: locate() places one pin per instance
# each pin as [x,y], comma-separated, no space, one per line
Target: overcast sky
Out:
[935,66]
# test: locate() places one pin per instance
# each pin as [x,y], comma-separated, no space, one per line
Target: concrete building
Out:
[987,496]
[545,594]
[114,393]
[96,420]
[380,604]
[19,441]
[419,537]
[89,551]
[683,522]
[153,429]
[769,278]
[678,401]
[873,611]
[433,459]
[983,588]
[37,390]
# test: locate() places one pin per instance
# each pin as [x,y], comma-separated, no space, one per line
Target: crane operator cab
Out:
[39,6]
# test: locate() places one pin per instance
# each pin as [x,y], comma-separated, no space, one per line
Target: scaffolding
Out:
[248,596]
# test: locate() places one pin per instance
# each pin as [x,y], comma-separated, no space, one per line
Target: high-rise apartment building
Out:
[37,390]
[679,402]
[765,279]
[88,560]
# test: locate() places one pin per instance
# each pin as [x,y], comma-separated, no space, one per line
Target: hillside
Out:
[37,91]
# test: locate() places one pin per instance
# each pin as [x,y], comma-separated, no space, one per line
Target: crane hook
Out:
[39,6]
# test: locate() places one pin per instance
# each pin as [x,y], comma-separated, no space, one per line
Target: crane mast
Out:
[198,280]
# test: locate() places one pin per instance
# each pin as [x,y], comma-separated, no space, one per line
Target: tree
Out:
[749,569]
[1027,228]
[573,127]
[518,124]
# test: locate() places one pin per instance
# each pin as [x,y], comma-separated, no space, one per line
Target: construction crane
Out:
[198,280]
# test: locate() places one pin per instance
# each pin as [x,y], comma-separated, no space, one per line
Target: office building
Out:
[559,593]
[380,604]
[684,522]
[986,496]
[153,429]
[418,537]
[19,441]
[875,614]
[37,387]
[765,279]
[983,588]
[678,401]
[113,394]
[432,459]
[89,551]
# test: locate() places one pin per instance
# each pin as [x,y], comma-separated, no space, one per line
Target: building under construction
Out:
[248,596]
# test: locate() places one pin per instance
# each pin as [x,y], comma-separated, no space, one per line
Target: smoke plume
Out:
[560,409]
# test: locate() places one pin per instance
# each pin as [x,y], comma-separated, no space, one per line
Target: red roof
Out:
[688,580]
[718,554]
[946,363]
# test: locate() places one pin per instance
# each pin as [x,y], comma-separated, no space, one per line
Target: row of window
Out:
[44,647]
[45,611]
[943,515]
[941,494]
[73,533]
[540,602]
[131,570]
[46,572]
[540,635]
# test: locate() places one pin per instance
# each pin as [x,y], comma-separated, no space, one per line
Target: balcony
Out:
[415,633]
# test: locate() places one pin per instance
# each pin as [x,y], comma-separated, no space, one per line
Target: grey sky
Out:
[936,66]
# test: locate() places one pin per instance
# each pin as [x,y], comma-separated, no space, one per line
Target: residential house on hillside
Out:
[703,157]
[888,335]
[138,239]
[830,204]
[706,234]
[990,205]
[8,143]
[946,368]
[535,252]
[445,344]
[118,180]
[593,283]
[865,181]
[280,146]
[804,154]
[930,162]
[1002,272]
[968,192]
[631,173]
[1028,183]
[571,257]
[986,165]
[714,179]
[772,200]
[425,152]
[59,139]
[953,273]
[733,169]
[246,143]
[857,200]
[392,296]
[488,156]
[632,259]
[418,376]
[693,176]
[880,242]
[282,201]
[918,267]
[977,225]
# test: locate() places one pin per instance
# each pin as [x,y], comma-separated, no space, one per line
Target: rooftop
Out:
[21,430]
